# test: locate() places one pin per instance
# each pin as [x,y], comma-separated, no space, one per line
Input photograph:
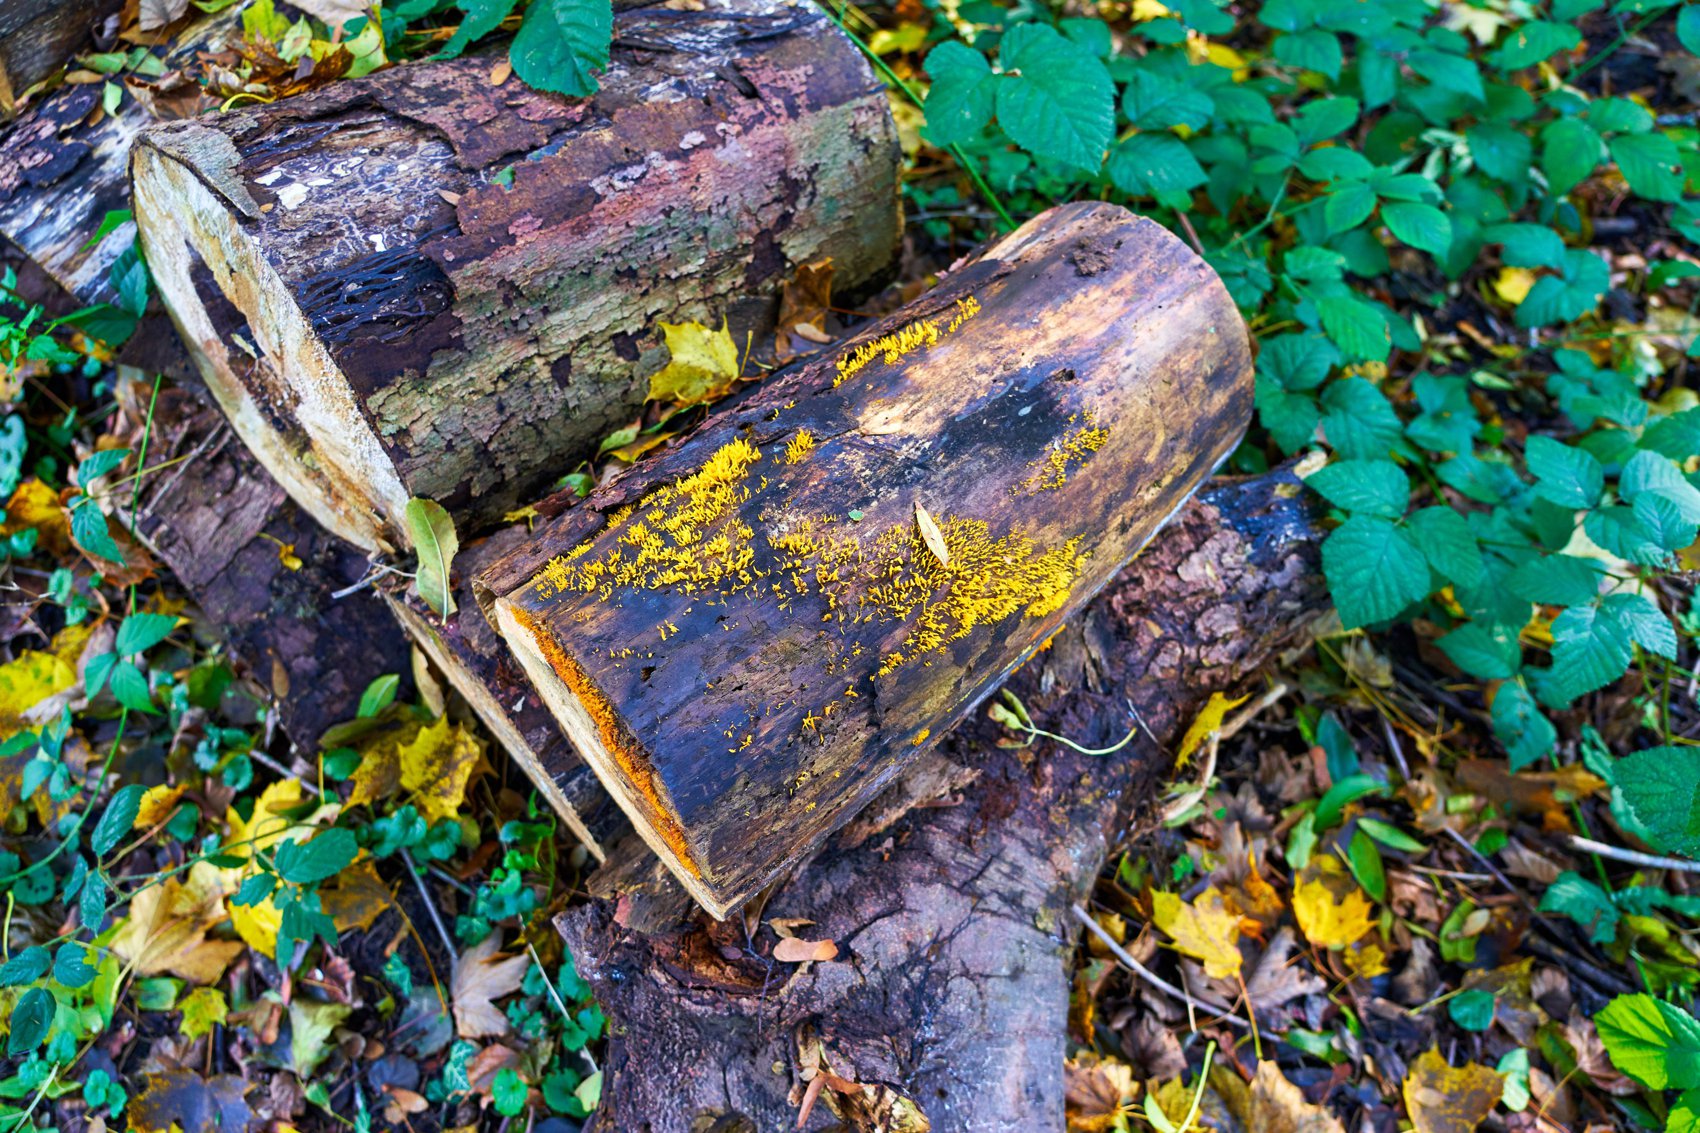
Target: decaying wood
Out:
[38,36]
[776,617]
[263,572]
[421,283]
[949,993]
[466,649]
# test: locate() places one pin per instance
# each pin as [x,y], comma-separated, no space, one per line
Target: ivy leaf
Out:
[1569,151]
[1055,99]
[1564,474]
[1374,570]
[1421,226]
[1654,1042]
[1650,163]
[1369,487]
[562,43]
[325,856]
[961,99]
[432,531]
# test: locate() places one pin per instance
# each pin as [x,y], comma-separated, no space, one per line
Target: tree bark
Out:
[772,623]
[420,283]
[948,997]
[38,36]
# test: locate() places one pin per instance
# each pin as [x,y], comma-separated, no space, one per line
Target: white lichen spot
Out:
[291,195]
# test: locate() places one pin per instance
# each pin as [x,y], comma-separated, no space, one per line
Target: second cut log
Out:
[774,619]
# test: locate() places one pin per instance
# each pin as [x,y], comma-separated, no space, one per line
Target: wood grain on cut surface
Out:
[423,284]
[774,619]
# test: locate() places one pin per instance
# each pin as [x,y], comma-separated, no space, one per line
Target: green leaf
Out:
[26,967]
[1570,149]
[1156,102]
[1291,418]
[1527,245]
[1390,836]
[1568,296]
[1489,653]
[1589,651]
[1358,420]
[1374,571]
[961,99]
[432,532]
[1557,580]
[479,19]
[1324,118]
[326,855]
[379,695]
[1472,1009]
[1518,724]
[130,687]
[1369,487]
[1365,860]
[1688,28]
[1654,1042]
[1347,206]
[1343,793]
[1663,520]
[99,464]
[141,632]
[118,820]
[1421,226]
[1148,165]
[1641,618]
[88,528]
[1574,896]
[1650,163]
[1311,50]
[71,966]
[509,1092]
[1055,99]
[1568,476]
[562,43]
[1503,152]
[1447,544]
[1535,42]
[1297,361]
[1448,71]
[1653,473]
[30,1021]
[1357,327]
[1660,788]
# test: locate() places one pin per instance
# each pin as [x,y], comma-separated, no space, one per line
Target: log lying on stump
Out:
[949,992]
[423,284]
[779,615]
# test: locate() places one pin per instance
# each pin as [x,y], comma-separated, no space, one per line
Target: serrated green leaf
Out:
[1568,476]
[1297,361]
[1650,163]
[327,854]
[1421,226]
[1589,651]
[71,966]
[1374,571]
[1527,735]
[1156,102]
[1567,296]
[1455,73]
[1574,896]
[1535,42]
[1347,206]
[1358,421]
[561,44]
[1654,473]
[963,94]
[1055,99]
[1654,1042]
[89,530]
[1646,624]
[1447,543]
[1489,653]
[141,632]
[26,967]
[1324,118]
[1311,50]
[1503,152]
[118,818]
[1148,165]
[32,1016]
[1527,245]
[1570,149]
[130,687]
[1557,580]
[1369,487]
[1291,418]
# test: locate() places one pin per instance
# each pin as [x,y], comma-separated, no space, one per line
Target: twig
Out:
[1232,726]
[1633,857]
[377,571]
[1147,974]
[430,904]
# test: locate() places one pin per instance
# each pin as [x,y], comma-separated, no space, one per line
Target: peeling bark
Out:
[780,614]
[421,284]
[949,995]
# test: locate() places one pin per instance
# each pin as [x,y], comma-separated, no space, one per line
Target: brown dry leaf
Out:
[1441,1099]
[794,951]
[1097,1093]
[167,928]
[1206,930]
[1544,793]
[156,14]
[183,1100]
[804,303]
[357,896]
[930,534]
[482,1068]
[1275,1105]
[480,978]
[1274,982]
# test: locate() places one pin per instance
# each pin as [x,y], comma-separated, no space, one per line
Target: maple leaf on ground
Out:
[1332,911]
[1275,1105]
[182,1099]
[702,366]
[434,762]
[1206,930]
[481,978]
[167,928]
[1097,1093]
[1443,1099]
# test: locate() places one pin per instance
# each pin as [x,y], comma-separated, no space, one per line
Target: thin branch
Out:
[1633,857]
[1148,975]
[430,903]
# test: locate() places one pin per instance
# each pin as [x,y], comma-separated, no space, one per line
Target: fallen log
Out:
[38,36]
[423,283]
[774,619]
[948,995]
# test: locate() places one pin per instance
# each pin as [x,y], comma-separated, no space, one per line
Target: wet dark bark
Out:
[423,284]
[949,994]
[781,613]
[38,36]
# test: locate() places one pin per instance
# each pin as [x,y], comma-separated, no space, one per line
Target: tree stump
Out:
[421,283]
[774,619]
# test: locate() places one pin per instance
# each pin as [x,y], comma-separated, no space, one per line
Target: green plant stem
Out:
[896,80]
[1198,1091]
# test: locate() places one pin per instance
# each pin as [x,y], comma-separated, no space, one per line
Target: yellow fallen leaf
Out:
[1272,1103]
[1207,930]
[157,805]
[258,925]
[1331,921]
[1512,285]
[703,364]
[436,767]
[267,825]
[35,505]
[1441,1099]
[1209,720]
[167,928]
[1098,1094]
[202,1008]
[1148,10]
